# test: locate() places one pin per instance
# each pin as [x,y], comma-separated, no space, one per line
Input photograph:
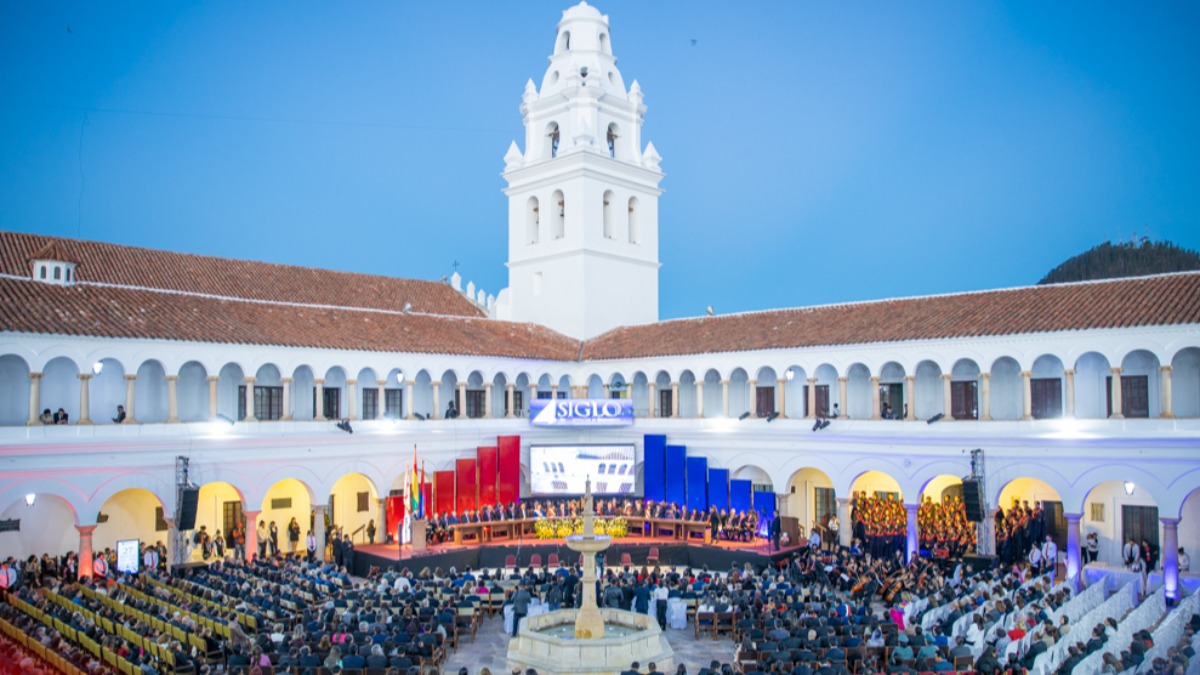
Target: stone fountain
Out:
[548,644]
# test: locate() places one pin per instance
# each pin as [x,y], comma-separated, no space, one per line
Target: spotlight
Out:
[772,416]
[30,499]
[935,418]
[744,415]
[825,423]
[419,416]
[344,425]
[820,424]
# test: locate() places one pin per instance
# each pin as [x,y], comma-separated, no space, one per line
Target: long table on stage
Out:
[525,528]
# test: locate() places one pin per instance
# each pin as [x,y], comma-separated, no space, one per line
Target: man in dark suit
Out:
[520,605]
[353,660]
[654,669]
[633,669]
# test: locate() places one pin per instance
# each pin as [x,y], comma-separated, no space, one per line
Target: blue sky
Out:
[814,153]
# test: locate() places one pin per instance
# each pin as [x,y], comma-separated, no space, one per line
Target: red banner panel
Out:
[427,493]
[509,469]
[466,485]
[443,484]
[487,475]
[395,516]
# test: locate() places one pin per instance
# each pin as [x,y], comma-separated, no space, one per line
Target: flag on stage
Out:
[421,492]
[414,492]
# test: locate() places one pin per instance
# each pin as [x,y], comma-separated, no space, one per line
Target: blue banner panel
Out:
[581,412]
[739,495]
[676,480]
[718,488]
[697,483]
[653,461]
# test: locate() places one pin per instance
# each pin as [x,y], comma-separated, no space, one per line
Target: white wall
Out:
[130,516]
[46,527]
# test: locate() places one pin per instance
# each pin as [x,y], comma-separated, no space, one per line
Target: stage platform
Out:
[671,553]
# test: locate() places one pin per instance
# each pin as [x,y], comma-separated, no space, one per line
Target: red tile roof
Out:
[1169,299]
[224,277]
[108,311]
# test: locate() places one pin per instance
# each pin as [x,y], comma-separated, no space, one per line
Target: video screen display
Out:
[563,469]
[129,556]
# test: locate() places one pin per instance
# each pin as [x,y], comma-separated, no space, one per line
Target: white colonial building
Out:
[1084,396]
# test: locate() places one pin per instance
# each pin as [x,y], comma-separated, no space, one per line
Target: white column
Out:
[319,399]
[1170,556]
[351,394]
[947,397]
[85,385]
[85,549]
[1073,559]
[381,523]
[910,397]
[1116,394]
[725,397]
[250,400]
[651,387]
[1069,394]
[1026,394]
[461,404]
[130,417]
[842,381]
[435,385]
[212,395]
[381,402]
[875,412]
[914,540]
[845,527]
[781,394]
[251,534]
[487,400]
[699,399]
[554,392]
[985,407]
[751,397]
[509,390]
[318,530]
[287,398]
[810,409]
[674,399]
[172,399]
[35,399]
[1165,376]
[409,387]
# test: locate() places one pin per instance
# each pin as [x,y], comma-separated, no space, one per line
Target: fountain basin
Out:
[547,643]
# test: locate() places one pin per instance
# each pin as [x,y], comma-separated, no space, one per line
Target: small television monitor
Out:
[129,556]
[562,470]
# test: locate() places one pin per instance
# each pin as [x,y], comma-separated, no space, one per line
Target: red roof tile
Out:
[148,268]
[107,311]
[1169,299]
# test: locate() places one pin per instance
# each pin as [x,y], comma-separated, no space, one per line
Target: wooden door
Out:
[1135,395]
[964,400]
[665,399]
[892,394]
[822,400]
[1045,396]
[764,401]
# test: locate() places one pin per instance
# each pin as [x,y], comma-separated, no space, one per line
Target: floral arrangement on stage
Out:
[559,528]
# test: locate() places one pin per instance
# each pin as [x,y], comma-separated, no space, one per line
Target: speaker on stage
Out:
[189,497]
[972,492]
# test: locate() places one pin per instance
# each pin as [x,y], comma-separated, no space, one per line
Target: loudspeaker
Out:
[972,491]
[186,518]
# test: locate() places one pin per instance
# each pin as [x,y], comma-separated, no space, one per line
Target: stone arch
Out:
[1141,397]
[106,390]
[1107,501]
[609,218]
[1188,528]
[1091,396]
[662,382]
[150,392]
[191,391]
[131,514]
[858,392]
[47,525]
[335,381]
[874,481]
[346,493]
[740,401]
[687,394]
[807,500]
[303,392]
[14,380]
[639,393]
[929,399]
[1007,389]
[711,400]
[60,387]
[894,395]
[1185,383]
[532,221]
[230,378]
[595,386]
[558,215]
[635,221]
[826,375]
[1046,387]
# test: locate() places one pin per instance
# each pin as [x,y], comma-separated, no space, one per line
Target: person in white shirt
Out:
[832,526]
[1035,560]
[1050,555]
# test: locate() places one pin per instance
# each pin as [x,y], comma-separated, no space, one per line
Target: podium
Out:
[418,535]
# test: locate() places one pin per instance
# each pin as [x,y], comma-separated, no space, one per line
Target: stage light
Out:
[344,425]
[820,424]
[935,418]
[30,499]
[419,416]
[744,415]
[772,416]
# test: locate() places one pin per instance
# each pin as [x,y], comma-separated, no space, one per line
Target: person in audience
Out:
[119,419]
[61,417]
[1185,561]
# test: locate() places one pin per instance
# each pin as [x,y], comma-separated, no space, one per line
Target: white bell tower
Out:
[583,196]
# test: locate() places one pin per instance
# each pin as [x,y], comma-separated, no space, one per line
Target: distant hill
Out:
[1112,261]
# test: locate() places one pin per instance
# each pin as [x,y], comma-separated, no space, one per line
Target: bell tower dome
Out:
[583,195]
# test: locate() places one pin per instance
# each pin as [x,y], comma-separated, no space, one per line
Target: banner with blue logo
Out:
[581,412]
